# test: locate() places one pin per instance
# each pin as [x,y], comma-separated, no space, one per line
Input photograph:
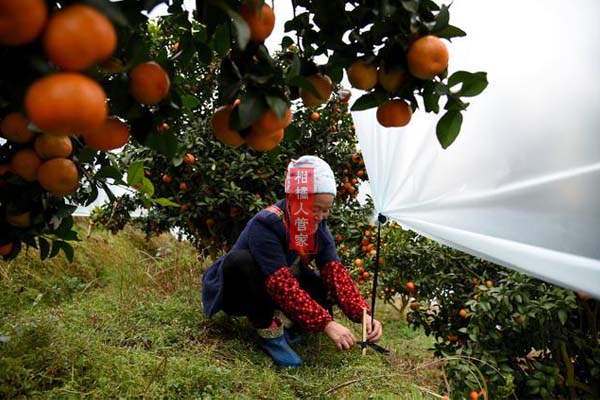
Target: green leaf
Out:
[44,248]
[441,19]
[162,201]
[164,142]
[472,83]
[190,102]
[562,316]
[109,171]
[241,27]
[67,249]
[278,105]
[252,106]
[369,100]
[448,128]
[450,32]
[431,98]
[135,173]
[222,40]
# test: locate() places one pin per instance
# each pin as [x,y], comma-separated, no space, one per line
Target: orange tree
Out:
[503,333]
[97,72]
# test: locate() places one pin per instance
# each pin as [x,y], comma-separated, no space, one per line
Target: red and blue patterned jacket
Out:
[266,239]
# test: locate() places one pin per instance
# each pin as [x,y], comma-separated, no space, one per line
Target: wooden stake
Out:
[364,330]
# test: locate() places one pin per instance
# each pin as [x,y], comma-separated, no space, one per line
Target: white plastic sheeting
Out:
[521,184]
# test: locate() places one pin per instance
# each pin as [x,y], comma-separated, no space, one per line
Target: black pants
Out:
[244,290]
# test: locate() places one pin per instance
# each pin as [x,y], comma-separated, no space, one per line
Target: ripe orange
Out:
[78,36]
[183,186]
[344,95]
[209,222]
[51,146]
[264,141]
[22,220]
[25,163]
[362,75]
[21,21]
[269,122]
[324,87]
[167,178]
[314,116]
[358,262]
[583,296]
[59,176]
[489,283]
[163,127]
[221,130]
[14,128]
[463,313]
[366,274]
[410,285]
[66,103]
[189,159]
[452,337]
[473,395]
[184,207]
[260,21]
[427,57]
[149,83]
[111,135]
[391,79]
[6,249]
[394,113]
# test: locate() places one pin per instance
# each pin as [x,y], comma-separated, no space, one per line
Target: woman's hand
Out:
[340,335]
[374,330]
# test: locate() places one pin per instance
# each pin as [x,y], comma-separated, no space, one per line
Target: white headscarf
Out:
[323,175]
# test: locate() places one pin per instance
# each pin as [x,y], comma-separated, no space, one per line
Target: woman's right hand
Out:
[341,336]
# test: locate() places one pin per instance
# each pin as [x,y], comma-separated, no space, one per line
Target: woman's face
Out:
[323,204]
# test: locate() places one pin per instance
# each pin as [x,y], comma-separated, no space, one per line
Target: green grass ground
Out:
[125,320]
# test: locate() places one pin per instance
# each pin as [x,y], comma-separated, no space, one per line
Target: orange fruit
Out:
[362,75]
[21,21]
[463,313]
[163,127]
[220,127]
[391,79]
[394,113]
[14,128]
[473,395]
[183,186]
[583,296]
[261,21]
[452,337]
[78,36]
[111,135]
[184,207]
[324,87]
[264,141]
[314,116]
[427,57]
[50,146]
[366,274]
[489,283]
[189,158]
[66,103]
[59,176]
[4,168]
[410,285]
[269,122]
[6,249]
[22,220]
[167,178]
[358,262]
[149,83]
[25,163]
[209,222]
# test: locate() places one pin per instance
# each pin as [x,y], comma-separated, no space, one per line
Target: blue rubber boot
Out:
[292,338]
[272,340]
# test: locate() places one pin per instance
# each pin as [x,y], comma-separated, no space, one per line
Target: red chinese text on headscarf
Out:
[300,187]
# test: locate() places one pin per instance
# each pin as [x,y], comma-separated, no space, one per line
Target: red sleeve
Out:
[285,290]
[345,292]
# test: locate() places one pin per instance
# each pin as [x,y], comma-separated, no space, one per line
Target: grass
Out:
[125,320]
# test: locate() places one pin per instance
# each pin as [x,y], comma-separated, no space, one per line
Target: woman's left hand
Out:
[374,330]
